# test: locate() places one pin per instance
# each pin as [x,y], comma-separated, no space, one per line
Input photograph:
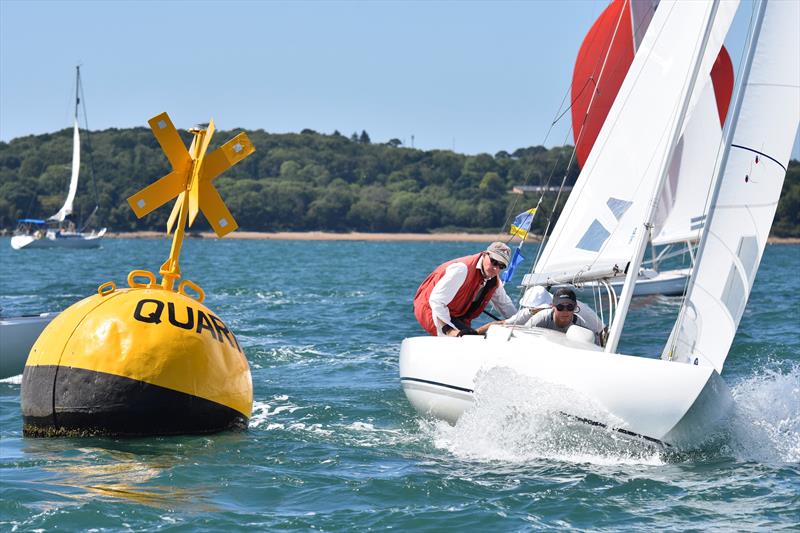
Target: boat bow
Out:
[669,402]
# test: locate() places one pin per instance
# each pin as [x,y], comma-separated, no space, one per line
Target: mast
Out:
[66,209]
[77,90]
[642,238]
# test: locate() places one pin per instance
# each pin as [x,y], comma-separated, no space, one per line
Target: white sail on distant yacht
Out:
[605,227]
[58,231]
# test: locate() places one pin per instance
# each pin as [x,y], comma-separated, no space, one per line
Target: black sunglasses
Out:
[565,307]
[498,264]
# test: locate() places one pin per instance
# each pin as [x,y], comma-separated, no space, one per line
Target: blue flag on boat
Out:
[522,223]
[515,260]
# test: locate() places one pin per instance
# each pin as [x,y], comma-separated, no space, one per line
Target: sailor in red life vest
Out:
[457,291]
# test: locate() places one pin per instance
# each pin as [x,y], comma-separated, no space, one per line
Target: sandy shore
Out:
[355,236]
[328,236]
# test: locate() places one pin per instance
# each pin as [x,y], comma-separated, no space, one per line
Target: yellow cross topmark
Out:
[192,175]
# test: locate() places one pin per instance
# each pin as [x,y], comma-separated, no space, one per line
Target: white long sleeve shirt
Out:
[446,288]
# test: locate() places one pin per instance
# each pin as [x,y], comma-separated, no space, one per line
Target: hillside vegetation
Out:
[306,181]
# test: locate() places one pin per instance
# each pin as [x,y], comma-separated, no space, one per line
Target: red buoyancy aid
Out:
[461,307]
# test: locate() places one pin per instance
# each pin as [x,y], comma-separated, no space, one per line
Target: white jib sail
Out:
[598,226]
[683,201]
[741,216]
[66,209]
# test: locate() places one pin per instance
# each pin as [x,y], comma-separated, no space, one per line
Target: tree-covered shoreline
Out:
[307,181]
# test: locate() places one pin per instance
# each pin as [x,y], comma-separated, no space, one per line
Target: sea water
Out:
[333,445]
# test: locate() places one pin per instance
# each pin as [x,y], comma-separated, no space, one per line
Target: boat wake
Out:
[264,413]
[765,424]
[511,423]
[12,380]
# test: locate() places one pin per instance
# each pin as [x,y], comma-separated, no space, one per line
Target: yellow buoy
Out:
[150,359]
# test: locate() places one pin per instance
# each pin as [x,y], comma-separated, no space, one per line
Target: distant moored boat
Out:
[58,231]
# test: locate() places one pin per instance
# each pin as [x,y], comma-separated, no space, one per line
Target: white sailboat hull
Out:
[17,335]
[665,283]
[673,403]
[58,240]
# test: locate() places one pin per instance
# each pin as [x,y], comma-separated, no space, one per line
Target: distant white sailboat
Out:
[604,229]
[58,231]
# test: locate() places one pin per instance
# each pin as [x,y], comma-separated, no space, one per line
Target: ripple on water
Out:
[334,445]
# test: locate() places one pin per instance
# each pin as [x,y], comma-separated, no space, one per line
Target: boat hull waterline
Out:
[51,240]
[675,404]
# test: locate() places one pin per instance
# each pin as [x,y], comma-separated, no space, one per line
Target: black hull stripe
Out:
[445,385]
[760,153]
[618,430]
[578,418]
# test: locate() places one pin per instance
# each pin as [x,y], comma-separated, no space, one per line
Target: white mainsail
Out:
[597,231]
[742,212]
[66,209]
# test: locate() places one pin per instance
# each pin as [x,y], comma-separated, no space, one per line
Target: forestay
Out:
[742,213]
[596,232]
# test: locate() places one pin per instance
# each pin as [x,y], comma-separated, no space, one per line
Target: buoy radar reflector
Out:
[149,359]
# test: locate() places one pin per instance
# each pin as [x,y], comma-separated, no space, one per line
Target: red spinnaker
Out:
[630,25]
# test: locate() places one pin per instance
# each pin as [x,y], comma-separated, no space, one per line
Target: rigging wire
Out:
[560,113]
[558,116]
[579,137]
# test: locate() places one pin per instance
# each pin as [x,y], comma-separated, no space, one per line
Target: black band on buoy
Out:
[65,401]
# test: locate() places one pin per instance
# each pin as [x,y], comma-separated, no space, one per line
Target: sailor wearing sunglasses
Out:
[562,313]
[457,292]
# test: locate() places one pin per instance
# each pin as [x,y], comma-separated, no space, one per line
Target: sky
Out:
[466,76]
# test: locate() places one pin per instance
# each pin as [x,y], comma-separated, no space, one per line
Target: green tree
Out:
[329,210]
[492,186]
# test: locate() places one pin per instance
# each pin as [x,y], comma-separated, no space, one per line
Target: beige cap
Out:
[500,252]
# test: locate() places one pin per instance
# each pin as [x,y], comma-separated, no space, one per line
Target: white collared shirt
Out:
[446,288]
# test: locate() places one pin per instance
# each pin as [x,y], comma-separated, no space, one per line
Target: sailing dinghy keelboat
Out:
[604,229]
[58,231]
